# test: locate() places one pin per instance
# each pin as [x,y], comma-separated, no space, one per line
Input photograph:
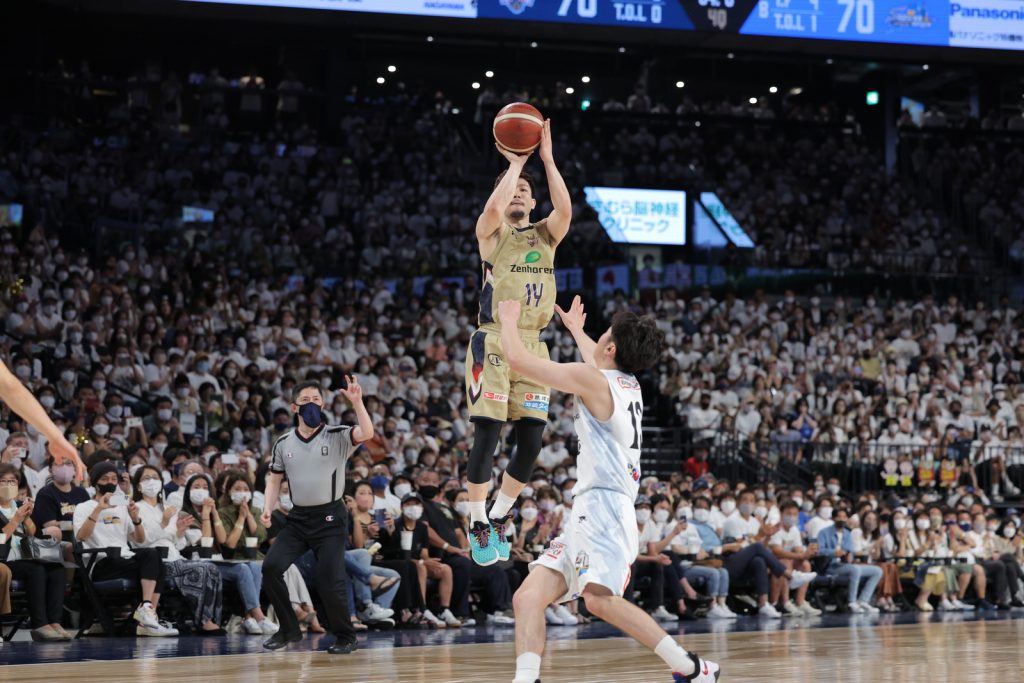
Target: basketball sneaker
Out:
[704,672]
[482,545]
[499,538]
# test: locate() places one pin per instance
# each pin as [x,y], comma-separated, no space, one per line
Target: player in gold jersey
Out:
[518,263]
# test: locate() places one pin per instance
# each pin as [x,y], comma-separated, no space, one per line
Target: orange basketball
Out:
[518,126]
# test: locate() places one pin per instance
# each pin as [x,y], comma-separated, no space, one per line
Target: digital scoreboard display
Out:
[992,24]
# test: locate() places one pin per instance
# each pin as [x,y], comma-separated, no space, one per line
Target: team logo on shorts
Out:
[536,401]
[634,472]
[494,359]
[329,518]
[324,451]
[582,563]
[517,6]
[476,374]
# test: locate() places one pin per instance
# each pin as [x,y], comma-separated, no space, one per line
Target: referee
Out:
[313,456]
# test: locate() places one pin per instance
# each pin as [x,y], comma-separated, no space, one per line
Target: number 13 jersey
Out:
[609,456]
[521,267]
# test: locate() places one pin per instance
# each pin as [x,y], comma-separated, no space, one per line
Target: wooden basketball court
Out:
[864,652]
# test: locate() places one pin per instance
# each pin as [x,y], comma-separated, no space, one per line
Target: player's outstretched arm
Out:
[574,320]
[586,381]
[489,221]
[354,393]
[22,402]
[561,201]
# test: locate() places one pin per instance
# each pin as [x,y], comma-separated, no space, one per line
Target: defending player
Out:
[593,555]
[518,263]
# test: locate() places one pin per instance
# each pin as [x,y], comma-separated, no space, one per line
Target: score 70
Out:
[863,11]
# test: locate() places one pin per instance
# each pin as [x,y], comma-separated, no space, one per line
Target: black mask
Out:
[104,489]
[429,492]
[840,525]
[389,433]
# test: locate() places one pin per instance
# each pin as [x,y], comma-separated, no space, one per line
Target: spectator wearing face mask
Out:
[1009,544]
[183,472]
[201,505]
[198,582]
[787,544]
[821,519]
[835,543]
[45,581]
[704,420]
[726,509]
[704,569]
[383,498]
[98,524]
[55,503]
[408,542]
[649,563]
[446,544]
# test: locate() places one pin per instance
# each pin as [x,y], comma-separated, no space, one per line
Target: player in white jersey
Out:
[593,556]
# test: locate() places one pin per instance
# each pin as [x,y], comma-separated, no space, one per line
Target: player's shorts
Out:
[598,545]
[493,390]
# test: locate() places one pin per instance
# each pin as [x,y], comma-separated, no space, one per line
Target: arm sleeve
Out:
[341,441]
[277,459]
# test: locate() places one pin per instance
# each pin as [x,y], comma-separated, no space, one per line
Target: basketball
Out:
[518,126]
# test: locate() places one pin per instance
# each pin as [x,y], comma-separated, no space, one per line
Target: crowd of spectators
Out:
[169,357]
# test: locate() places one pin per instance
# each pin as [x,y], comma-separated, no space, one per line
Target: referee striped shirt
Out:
[315,467]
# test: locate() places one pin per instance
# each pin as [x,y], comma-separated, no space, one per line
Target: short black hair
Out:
[307,384]
[523,175]
[638,341]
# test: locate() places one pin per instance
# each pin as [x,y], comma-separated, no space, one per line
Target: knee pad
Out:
[529,439]
[481,456]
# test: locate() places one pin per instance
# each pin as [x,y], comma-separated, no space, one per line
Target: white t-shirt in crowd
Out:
[737,527]
[649,534]
[790,540]
[717,519]
[814,526]
[687,540]
[112,528]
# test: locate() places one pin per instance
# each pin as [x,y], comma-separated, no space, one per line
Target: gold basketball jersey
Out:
[522,267]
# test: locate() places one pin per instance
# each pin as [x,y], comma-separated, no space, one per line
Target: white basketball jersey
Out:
[609,455]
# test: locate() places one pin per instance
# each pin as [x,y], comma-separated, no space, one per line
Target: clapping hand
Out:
[169,512]
[24,510]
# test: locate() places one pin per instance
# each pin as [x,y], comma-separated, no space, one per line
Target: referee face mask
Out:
[311,415]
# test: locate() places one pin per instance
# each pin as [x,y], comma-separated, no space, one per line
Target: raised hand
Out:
[545,142]
[575,318]
[513,158]
[353,392]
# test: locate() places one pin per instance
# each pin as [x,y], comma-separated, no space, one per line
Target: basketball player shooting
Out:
[593,555]
[518,263]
